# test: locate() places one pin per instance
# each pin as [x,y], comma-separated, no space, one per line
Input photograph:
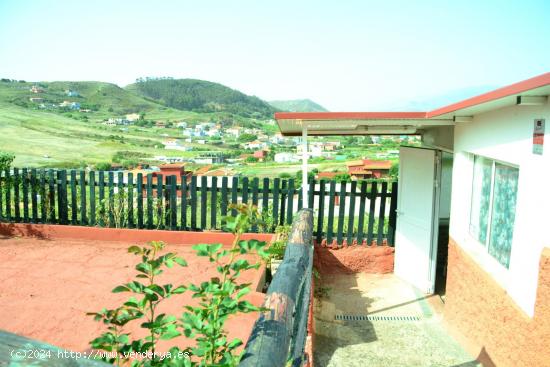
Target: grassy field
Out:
[40,138]
[47,139]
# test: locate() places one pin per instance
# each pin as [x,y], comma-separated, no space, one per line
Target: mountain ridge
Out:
[297,105]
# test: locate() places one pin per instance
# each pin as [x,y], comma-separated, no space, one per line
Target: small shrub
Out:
[278,247]
[219,298]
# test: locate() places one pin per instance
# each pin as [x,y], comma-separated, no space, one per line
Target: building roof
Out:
[220,172]
[354,163]
[172,166]
[329,175]
[387,123]
[368,164]
[203,169]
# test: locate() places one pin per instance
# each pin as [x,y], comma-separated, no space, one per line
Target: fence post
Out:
[160,180]
[83,219]
[130,191]
[351,216]
[43,198]
[382,213]
[245,191]
[255,184]
[25,186]
[62,197]
[311,194]
[393,214]
[8,194]
[282,211]
[183,216]
[341,212]
[74,209]
[149,194]
[193,203]
[92,198]
[166,197]
[173,203]
[101,198]
[223,209]
[265,197]
[51,194]
[16,194]
[372,209]
[321,214]
[275,203]
[34,196]
[234,194]
[204,201]
[139,198]
[362,202]
[330,221]
[290,206]
[213,202]
[111,205]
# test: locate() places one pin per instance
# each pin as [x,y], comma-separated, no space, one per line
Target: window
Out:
[493,207]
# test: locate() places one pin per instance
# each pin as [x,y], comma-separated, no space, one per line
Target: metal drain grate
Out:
[375,318]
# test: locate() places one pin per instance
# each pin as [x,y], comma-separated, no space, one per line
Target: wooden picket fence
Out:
[358,211]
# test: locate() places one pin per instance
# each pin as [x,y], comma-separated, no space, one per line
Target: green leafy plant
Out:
[115,340]
[278,247]
[219,298]
[113,211]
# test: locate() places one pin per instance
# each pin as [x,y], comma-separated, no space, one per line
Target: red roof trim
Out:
[516,88]
[348,115]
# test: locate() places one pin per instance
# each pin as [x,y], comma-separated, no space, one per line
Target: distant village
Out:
[67,105]
[256,147]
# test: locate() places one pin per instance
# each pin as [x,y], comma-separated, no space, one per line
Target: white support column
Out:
[304,167]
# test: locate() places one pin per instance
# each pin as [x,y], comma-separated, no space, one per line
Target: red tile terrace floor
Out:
[49,282]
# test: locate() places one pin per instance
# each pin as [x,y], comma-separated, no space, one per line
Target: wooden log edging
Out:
[279,334]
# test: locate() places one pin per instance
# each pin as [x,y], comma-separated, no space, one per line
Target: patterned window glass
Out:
[481,196]
[503,213]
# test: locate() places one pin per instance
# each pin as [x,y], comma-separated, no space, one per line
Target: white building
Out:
[132,117]
[175,144]
[254,145]
[481,177]
[234,131]
[286,157]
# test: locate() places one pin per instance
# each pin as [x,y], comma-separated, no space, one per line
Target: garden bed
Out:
[52,275]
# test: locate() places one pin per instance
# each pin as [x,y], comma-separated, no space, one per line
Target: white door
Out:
[417,206]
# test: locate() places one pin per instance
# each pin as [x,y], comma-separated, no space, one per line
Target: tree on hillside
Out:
[6,159]
[245,138]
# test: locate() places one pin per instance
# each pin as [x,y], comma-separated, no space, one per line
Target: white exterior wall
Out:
[506,135]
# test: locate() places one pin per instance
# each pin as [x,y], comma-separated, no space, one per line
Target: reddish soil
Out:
[48,285]
[354,259]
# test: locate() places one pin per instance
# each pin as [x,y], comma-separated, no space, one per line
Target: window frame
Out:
[475,237]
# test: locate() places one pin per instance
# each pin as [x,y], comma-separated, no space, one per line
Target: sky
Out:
[346,55]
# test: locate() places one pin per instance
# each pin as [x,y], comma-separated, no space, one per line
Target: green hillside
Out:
[103,100]
[201,96]
[298,105]
[47,139]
